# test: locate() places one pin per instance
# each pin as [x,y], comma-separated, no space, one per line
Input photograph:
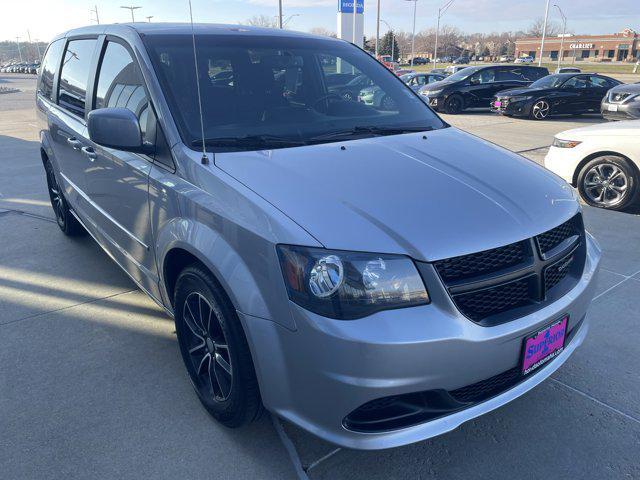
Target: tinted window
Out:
[510,74]
[120,85]
[487,75]
[278,86]
[600,82]
[75,75]
[550,81]
[49,65]
[579,81]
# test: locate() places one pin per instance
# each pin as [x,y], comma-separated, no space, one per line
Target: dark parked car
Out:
[562,93]
[351,89]
[475,87]
[420,61]
[461,60]
[416,81]
[622,102]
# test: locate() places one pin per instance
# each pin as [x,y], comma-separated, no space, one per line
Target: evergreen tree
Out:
[386,43]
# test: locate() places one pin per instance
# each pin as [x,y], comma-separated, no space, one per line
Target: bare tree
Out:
[536,28]
[322,31]
[262,21]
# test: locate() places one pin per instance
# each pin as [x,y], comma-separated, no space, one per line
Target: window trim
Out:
[92,65]
[56,71]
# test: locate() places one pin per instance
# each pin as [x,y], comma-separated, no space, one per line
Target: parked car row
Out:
[23,67]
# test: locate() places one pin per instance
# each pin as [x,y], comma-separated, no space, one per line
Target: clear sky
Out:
[45,18]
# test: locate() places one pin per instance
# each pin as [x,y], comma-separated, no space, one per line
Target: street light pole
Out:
[413,34]
[378,30]
[441,11]
[131,9]
[149,18]
[19,51]
[393,38]
[564,29]
[280,15]
[544,33]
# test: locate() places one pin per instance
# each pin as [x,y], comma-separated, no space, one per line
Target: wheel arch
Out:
[183,242]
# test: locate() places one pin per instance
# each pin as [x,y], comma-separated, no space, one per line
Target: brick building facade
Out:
[617,47]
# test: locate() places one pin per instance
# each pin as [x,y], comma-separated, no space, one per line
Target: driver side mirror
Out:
[474,81]
[116,128]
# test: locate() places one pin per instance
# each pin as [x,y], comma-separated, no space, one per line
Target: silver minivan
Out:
[370,274]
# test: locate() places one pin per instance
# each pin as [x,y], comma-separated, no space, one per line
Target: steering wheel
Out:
[326,97]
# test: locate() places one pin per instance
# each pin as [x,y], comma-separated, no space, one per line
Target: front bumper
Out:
[436,103]
[315,376]
[511,109]
[620,111]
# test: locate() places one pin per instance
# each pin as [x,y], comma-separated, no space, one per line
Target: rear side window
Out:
[75,75]
[531,74]
[49,67]
[120,85]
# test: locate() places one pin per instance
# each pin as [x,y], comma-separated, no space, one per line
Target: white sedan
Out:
[602,161]
[526,60]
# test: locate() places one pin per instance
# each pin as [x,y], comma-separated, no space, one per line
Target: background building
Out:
[617,47]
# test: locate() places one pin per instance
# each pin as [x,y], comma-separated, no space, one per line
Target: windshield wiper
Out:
[372,130]
[250,141]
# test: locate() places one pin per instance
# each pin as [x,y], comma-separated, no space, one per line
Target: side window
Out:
[49,66]
[120,85]
[484,76]
[510,74]
[75,75]
[599,82]
[579,81]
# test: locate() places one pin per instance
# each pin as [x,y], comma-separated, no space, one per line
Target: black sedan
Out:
[560,94]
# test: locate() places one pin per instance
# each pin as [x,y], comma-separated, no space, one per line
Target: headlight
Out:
[565,143]
[349,285]
[430,93]
[520,98]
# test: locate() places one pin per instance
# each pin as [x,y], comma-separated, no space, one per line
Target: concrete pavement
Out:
[91,381]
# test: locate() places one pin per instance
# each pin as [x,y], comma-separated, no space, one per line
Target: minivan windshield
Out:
[550,81]
[267,91]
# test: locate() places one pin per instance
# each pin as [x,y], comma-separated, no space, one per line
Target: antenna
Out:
[204,160]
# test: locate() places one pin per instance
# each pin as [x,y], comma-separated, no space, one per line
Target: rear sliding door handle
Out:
[90,153]
[74,142]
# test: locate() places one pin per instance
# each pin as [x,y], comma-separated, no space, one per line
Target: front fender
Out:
[253,282]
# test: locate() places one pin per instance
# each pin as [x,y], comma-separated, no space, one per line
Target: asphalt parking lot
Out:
[92,384]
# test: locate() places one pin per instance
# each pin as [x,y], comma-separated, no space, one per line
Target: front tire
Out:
[540,110]
[215,350]
[608,181]
[66,221]
[454,104]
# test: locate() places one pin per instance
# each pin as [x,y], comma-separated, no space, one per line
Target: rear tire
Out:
[66,221]
[454,104]
[215,350]
[609,182]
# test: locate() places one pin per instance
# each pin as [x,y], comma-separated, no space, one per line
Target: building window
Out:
[532,54]
[585,53]
[611,53]
[597,53]
[554,54]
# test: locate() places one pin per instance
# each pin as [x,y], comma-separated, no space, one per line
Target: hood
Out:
[512,92]
[439,85]
[627,88]
[448,195]
[609,129]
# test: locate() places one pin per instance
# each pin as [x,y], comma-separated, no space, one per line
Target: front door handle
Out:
[90,153]
[74,142]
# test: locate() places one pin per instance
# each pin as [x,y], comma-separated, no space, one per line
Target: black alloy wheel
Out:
[454,104]
[214,349]
[65,219]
